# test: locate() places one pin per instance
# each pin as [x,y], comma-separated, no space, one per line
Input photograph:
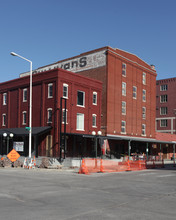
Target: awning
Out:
[161,138]
[23,131]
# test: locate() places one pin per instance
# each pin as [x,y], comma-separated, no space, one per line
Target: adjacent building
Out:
[166,105]
[63,103]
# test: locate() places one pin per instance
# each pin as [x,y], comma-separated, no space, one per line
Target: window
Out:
[4,98]
[94,98]
[123,88]
[123,69]
[94,118]
[80,98]
[24,95]
[163,111]
[49,115]
[163,123]
[163,88]
[24,117]
[163,98]
[144,95]
[144,78]
[123,108]
[143,112]
[143,129]
[80,122]
[123,127]
[64,116]
[65,91]
[3,119]
[50,90]
[134,92]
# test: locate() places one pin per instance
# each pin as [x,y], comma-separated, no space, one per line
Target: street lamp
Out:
[96,136]
[30,102]
[5,135]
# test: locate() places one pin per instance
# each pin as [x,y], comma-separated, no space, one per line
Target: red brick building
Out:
[128,96]
[166,105]
[128,89]
[63,102]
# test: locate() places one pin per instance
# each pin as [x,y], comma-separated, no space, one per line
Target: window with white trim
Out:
[144,78]
[49,115]
[143,129]
[144,95]
[65,91]
[123,108]
[123,69]
[94,120]
[163,87]
[143,112]
[163,111]
[64,116]
[163,98]
[80,98]
[4,98]
[50,90]
[80,122]
[134,92]
[123,127]
[25,95]
[24,117]
[4,119]
[163,123]
[94,98]
[123,88]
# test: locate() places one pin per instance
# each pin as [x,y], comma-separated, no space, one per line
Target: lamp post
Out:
[96,136]
[5,135]
[30,102]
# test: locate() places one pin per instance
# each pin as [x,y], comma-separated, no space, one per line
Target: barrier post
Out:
[128,164]
[140,168]
[101,166]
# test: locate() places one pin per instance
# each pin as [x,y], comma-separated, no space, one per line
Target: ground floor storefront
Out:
[45,143]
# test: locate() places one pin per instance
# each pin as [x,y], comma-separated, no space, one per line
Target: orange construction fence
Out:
[101,165]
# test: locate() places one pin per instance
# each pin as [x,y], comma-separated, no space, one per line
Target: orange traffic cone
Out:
[34,161]
[101,167]
[83,169]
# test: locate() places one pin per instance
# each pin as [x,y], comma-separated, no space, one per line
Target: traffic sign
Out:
[13,155]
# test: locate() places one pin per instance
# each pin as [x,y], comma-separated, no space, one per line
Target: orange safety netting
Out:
[101,165]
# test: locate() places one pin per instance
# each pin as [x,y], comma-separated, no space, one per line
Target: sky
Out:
[46,31]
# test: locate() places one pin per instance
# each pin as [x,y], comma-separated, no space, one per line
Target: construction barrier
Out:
[108,166]
[29,163]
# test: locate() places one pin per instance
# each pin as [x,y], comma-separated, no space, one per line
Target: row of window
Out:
[124,67]
[80,119]
[134,92]
[124,110]
[80,95]
[123,128]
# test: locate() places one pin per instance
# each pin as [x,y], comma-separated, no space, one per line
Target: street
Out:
[43,194]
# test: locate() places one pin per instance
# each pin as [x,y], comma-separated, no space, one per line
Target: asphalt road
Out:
[53,194]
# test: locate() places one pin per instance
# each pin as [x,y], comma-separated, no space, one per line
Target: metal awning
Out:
[23,131]
[138,139]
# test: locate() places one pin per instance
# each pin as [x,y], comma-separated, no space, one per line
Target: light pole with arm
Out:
[30,102]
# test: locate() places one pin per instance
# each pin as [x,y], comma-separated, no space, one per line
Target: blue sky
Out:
[46,31]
